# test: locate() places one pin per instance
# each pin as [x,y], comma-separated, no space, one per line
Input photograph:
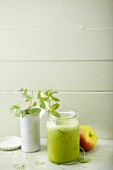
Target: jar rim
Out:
[71,114]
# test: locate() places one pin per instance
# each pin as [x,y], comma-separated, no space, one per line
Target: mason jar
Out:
[63,138]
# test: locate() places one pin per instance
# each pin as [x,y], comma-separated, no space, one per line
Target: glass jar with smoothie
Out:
[63,138]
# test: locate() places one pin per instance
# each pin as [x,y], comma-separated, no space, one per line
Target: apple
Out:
[88,137]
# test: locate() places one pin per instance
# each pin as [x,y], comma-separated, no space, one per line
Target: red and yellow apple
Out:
[88,137]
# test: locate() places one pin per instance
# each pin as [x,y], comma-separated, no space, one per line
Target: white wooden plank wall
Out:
[66,45]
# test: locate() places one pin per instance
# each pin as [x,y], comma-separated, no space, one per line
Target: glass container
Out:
[63,138]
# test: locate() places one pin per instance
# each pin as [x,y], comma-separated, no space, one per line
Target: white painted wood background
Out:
[66,45]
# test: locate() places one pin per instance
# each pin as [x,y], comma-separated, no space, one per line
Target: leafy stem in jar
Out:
[31,107]
[48,101]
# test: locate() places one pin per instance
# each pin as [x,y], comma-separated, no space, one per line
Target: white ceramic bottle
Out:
[30,133]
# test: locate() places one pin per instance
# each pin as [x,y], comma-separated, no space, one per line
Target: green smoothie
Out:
[63,141]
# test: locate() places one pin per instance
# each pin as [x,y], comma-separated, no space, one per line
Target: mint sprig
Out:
[32,105]
[20,166]
[48,101]
[39,162]
[83,159]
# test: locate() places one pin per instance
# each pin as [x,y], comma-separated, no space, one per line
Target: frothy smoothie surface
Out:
[63,142]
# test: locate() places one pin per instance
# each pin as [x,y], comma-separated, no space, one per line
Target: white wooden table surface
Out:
[101,159]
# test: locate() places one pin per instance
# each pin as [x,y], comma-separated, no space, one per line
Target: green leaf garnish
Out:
[31,108]
[84,159]
[55,106]
[34,104]
[27,96]
[34,111]
[42,104]
[55,113]
[39,163]
[19,166]
[48,101]
[54,98]
[16,110]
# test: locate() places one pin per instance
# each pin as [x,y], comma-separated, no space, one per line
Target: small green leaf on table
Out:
[83,160]
[19,166]
[39,163]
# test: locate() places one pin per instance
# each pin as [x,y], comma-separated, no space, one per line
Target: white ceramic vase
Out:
[30,133]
